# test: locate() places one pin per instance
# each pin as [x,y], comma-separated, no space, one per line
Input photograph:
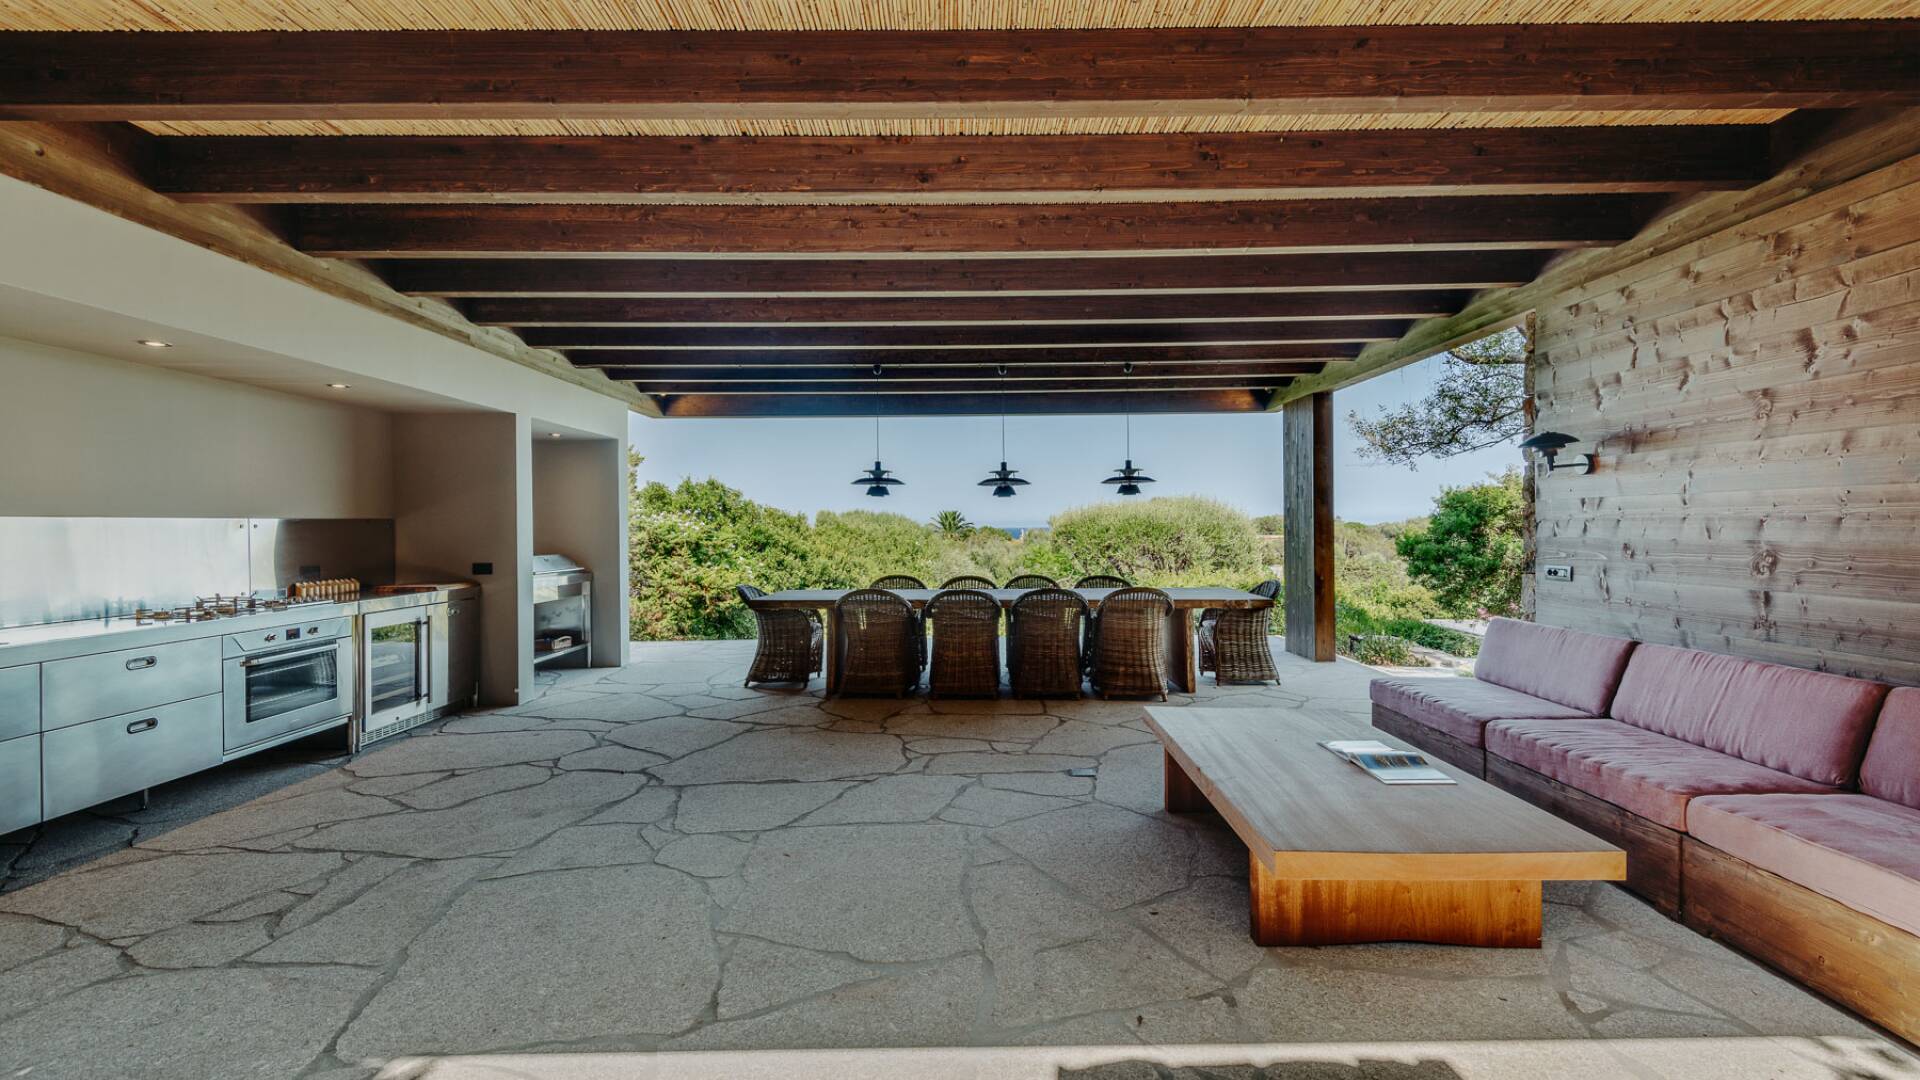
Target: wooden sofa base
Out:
[1653,850]
[1438,743]
[1852,958]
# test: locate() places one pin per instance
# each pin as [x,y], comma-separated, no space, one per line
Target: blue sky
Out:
[807,465]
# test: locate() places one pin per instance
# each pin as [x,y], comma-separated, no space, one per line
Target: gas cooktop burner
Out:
[208,608]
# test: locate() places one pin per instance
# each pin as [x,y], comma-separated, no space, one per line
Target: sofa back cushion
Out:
[1807,723]
[1568,667]
[1891,770]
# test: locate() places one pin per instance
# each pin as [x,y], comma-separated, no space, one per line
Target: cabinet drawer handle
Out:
[139,662]
[139,726]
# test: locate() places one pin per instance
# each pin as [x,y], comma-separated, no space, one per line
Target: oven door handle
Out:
[274,658]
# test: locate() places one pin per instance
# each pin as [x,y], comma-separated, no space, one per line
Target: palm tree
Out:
[953,524]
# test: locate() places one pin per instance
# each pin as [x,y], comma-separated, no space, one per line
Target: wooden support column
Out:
[1308,467]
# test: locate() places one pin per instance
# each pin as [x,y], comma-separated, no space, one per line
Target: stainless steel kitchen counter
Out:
[59,641]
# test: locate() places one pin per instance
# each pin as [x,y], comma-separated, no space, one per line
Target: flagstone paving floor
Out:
[652,858]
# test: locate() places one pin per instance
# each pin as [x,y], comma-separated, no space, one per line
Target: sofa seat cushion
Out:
[1859,850]
[1462,707]
[1807,723]
[1640,771]
[1568,667]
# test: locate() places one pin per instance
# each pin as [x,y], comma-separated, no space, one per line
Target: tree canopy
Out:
[1479,401]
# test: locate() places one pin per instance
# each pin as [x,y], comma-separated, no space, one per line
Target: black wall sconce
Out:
[1548,445]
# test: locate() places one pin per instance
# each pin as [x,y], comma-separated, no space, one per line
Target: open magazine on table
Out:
[1388,764]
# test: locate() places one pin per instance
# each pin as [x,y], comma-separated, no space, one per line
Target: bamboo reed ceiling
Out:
[975,126]
[890,14]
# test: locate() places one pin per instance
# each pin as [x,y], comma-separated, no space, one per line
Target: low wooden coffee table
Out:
[1337,857]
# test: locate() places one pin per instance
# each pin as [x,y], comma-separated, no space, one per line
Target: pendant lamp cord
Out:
[1003,414]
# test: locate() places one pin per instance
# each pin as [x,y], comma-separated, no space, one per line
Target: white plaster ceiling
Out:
[64,324]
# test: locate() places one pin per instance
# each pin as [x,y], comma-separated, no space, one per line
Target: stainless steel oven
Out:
[287,681]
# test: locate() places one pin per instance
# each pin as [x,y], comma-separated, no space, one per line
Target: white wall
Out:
[463,495]
[579,509]
[88,436]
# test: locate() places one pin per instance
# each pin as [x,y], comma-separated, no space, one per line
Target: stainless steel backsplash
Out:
[63,569]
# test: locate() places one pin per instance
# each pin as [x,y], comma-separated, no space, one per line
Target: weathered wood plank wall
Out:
[1756,400]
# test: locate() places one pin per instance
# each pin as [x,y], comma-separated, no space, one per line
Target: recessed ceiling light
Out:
[553,434]
[154,343]
[339,386]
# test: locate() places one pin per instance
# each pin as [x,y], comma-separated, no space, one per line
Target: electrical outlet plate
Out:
[1558,573]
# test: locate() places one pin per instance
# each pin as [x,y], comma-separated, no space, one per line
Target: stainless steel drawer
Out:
[19,701]
[90,687]
[90,763]
[19,783]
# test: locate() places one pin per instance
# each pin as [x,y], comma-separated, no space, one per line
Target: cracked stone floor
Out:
[652,860]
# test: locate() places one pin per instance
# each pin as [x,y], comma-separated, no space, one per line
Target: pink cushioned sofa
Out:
[1773,807]
[1525,671]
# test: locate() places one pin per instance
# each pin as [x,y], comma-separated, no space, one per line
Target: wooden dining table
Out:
[1182,657]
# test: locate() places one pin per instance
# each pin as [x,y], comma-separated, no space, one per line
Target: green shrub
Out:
[1182,540]
[1385,651]
[1433,637]
[854,547]
[1472,551]
[690,545]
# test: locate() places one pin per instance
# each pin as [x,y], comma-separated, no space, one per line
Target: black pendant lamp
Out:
[1003,480]
[878,479]
[1129,478]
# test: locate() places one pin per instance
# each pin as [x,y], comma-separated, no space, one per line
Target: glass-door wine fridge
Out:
[405,665]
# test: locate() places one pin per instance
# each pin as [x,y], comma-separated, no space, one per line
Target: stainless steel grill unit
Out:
[562,610]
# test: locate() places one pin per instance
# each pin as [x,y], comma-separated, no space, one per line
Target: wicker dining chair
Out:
[1234,643]
[1130,651]
[907,581]
[789,642]
[878,644]
[1032,581]
[965,655]
[1097,581]
[969,581]
[1045,638]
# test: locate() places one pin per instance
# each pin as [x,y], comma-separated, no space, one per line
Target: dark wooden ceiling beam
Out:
[581,338]
[982,310]
[984,387]
[1258,372]
[1108,402]
[1144,72]
[1109,168]
[589,278]
[901,359]
[1410,223]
